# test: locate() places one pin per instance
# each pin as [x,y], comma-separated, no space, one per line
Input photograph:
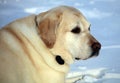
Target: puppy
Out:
[39,48]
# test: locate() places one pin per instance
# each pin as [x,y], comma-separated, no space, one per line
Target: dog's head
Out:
[66,32]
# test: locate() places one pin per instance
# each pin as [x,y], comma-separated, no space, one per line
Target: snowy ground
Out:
[99,75]
[104,16]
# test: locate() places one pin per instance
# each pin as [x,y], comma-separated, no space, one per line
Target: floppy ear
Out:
[47,27]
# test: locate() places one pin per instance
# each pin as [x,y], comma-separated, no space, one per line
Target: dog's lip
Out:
[81,59]
[76,58]
[91,56]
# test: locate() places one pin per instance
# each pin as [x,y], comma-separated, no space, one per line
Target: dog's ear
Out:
[47,26]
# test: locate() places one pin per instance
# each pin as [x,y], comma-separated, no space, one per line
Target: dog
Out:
[40,48]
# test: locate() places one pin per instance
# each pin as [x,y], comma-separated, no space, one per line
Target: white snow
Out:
[91,76]
[112,76]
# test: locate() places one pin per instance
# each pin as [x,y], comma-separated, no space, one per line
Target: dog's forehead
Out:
[71,16]
[80,18]
[74,18]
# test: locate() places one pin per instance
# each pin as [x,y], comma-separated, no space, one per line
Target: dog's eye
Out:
[76,30]
[89,28]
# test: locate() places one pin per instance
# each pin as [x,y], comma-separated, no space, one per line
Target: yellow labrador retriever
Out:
[39,48]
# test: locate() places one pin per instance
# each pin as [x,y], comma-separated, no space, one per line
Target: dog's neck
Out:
[53,61]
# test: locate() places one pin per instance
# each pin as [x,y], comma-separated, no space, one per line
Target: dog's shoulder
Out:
[27,21]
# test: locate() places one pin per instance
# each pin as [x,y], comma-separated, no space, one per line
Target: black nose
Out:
[95,48]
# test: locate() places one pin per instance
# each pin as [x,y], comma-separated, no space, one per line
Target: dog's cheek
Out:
[84,47]
[71,44]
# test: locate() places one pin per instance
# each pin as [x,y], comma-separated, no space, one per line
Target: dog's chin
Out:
[81,58]
[91,56]
[77,58]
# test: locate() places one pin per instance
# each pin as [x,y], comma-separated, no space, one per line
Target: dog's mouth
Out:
[77,58]
[95,48]
[93,54]
[80,58]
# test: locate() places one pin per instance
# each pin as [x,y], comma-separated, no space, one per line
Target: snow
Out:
[91,76]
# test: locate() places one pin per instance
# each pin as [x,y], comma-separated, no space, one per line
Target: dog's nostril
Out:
[96,46]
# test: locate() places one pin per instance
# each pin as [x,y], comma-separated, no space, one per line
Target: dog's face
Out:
[66,32]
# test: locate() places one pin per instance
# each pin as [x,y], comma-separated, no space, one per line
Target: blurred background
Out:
[104,16]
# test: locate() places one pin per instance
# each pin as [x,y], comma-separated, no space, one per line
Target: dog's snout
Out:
[96,46]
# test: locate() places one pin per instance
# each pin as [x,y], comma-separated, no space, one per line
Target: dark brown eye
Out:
[76,30]
[89,28]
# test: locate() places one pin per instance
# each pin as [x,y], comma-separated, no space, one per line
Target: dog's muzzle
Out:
[96,46]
